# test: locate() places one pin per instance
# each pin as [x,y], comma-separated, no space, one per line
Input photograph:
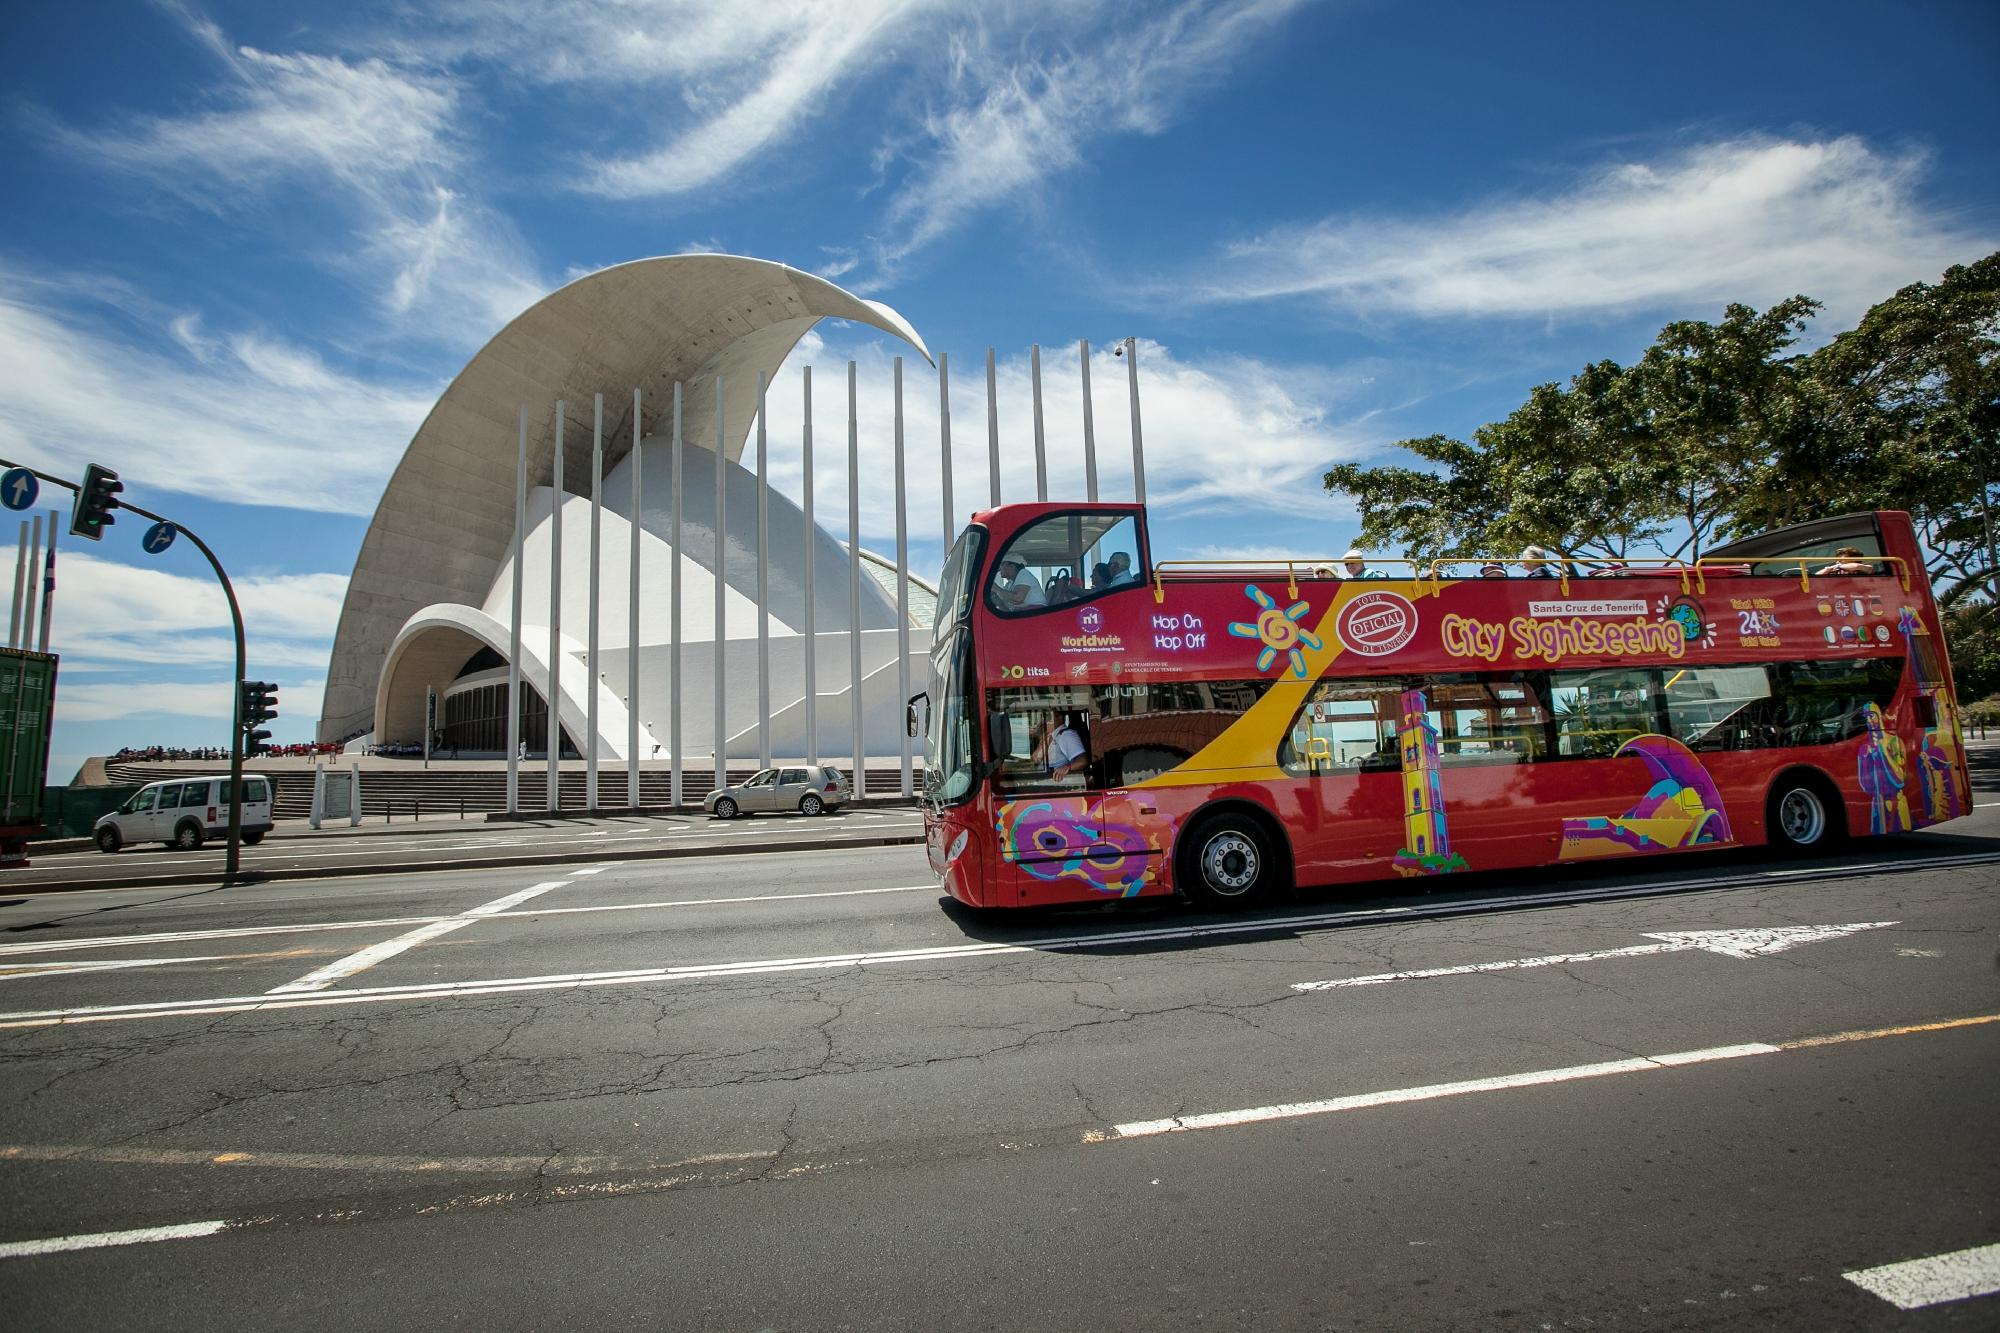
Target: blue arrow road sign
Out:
[18,488]
[159,537]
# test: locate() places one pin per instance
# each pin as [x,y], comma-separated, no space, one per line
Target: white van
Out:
[185,812]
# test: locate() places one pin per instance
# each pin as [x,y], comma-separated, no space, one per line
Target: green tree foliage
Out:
[1621,458]
[1900,412]
[1720,430]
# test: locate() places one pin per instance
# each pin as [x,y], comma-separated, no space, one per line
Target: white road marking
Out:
[24,1249]
[241,932]
[1430,1092]
[1105,939]
[322,977]
[72,967]
[1730,943]
[590,870]
[1916,1283]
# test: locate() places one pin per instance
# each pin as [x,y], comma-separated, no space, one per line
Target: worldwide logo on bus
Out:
[1090,620]
[1376,624]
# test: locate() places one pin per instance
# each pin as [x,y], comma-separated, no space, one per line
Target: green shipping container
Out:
[27,698]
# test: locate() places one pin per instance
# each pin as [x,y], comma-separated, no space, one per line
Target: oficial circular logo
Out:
[1090,620]
[1376,624]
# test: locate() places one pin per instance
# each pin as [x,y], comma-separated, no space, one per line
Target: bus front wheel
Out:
[1228,863]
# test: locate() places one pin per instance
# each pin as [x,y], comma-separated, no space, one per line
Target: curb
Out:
[472,863]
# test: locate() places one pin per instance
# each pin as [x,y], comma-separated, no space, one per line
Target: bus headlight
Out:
[957,847]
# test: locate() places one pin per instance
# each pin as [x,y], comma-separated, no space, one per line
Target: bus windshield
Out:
[954,597]
[951,753]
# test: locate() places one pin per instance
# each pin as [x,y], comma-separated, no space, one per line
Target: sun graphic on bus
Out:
[1278,630]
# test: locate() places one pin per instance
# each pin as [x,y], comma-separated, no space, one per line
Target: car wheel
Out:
[725,809]
[1228,864]
[1800,818]
[108,840]
[187,837]
[811,804]
[252,839]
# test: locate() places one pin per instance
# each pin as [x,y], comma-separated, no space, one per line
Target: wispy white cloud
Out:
[106,701]
[245,417]
[111,612]
[380,143]
[1751,219]
[784,73]
[1009,123]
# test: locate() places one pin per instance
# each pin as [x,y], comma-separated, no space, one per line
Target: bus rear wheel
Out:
[1228,863]
[1801,815]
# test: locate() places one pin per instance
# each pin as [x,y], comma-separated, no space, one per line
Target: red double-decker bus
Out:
[1104,725]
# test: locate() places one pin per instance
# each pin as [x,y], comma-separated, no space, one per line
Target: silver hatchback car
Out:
[810,789]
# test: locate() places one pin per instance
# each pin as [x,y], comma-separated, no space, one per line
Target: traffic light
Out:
[258,705]
[95,500]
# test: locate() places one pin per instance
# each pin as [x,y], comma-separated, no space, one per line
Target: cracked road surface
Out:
[796,1090]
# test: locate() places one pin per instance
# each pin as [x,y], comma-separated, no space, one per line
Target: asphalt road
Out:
[294,850]
[798,1091]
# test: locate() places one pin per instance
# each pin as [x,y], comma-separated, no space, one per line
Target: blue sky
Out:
[250,242]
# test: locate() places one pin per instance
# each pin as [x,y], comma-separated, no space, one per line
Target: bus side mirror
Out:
[912,721]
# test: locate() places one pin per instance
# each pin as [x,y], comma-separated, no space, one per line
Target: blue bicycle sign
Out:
[18,488]
[159,537]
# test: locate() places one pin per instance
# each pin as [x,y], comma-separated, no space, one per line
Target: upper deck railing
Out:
[1438,572]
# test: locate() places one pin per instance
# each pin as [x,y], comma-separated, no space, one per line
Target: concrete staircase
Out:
[394,791]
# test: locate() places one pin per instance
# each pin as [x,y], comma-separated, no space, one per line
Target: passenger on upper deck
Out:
[1121,569]
[1848,560]
[1017,585]
[1355,562]
[1536,562]
[1493,569]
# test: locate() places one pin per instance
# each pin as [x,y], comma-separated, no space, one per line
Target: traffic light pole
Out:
[232,857]
[233,853]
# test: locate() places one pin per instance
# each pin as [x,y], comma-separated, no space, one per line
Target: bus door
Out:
[1348,818]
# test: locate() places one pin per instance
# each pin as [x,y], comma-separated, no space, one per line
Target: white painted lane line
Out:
[224,933]
[1729,943]
[74,967]
[1916,1283]
[241,932]
[1138,1129]
[322,977]
[590,870]
[24,1249]
[1106,939]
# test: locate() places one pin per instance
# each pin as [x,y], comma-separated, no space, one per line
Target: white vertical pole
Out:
[1041,449]
[812,559]
[944,445]
[596,569]
[632,622]
[763,577]
[34,586]
[48,585]
[514,625]
[721,587]
[1138,445]
[674,613]
[902,585]
[554,757]
[1089,428]
[992,429]
[20,588]
[854,589]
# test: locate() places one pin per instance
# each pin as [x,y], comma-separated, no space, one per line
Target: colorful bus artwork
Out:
[1101,724]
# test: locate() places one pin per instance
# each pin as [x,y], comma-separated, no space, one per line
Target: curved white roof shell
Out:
[445,523]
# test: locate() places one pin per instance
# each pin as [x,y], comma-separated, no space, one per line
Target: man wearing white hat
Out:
[1355,562]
